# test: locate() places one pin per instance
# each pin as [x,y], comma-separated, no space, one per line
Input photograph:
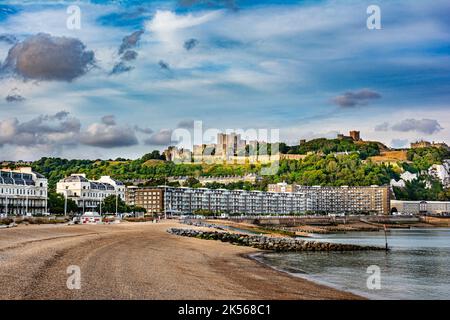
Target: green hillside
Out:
[321,167]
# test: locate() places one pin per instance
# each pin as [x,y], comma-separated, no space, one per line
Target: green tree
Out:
[192,183]
[109,205]
[56,204]
[154,155]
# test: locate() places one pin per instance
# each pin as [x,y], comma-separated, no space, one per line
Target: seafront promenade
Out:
[139,261]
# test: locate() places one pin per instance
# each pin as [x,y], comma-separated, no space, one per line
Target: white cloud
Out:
[169,28]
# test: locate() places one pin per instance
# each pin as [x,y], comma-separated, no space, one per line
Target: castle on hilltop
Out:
[353,135]
[427,144]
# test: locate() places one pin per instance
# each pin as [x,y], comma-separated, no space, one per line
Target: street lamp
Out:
[46,202]
[26,200]
[117,201]
[65,203]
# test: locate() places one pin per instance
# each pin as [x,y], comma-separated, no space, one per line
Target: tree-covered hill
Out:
[315,169]
[423,158]
[327,146]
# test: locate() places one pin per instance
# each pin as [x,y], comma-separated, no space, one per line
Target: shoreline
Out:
[141,261]
[255,257]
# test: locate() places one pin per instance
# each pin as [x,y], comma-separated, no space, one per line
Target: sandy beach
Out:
[139,261]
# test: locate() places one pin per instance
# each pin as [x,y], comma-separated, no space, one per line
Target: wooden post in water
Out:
[385,238]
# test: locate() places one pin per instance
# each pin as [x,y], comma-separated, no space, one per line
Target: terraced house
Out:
[22,192]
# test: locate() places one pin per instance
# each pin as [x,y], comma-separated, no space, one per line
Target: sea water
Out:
[416,267]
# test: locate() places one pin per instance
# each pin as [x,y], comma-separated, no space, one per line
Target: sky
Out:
[131,73]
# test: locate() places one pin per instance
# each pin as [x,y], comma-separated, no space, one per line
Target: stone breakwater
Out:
[202,224]
[269,243]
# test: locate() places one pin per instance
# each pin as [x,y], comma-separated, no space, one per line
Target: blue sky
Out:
[308,68]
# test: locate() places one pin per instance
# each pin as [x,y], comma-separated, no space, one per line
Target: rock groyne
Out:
[270,243]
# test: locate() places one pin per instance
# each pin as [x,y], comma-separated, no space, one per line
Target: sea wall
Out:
[197,223]
[269,243]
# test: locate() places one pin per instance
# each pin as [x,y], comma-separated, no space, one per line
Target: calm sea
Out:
[417,267]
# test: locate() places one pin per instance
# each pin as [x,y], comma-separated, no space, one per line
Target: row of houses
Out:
[23,191]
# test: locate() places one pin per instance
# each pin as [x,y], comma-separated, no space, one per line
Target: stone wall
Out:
[269,243]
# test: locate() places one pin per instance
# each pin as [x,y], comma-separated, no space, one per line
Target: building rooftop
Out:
[17,178]
[75,178]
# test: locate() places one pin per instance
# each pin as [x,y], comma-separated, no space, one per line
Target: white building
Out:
[189,200]
[303,199]
[22,192]
[420,207]
[441,172]
[88,194]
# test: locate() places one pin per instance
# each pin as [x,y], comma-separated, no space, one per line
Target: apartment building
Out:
[356,199]
[367,199]
[420,207]
[22,192]
[281,199]
[151,199]
[88,194]
[189,200]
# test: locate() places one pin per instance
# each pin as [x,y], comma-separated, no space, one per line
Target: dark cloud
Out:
[45,57]
[58,123]
[186,124]
[109,120]
[51,131]
[8,38]
[130,41]
[129,55]
[143,130]
[121,68]
[382,126]
[161,138]
[427,126]
[190,44]
[357,98]
[108,134]
[163,65]
[61,115]
[14,96]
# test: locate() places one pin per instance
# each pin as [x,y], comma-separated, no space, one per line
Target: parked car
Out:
[91,217]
